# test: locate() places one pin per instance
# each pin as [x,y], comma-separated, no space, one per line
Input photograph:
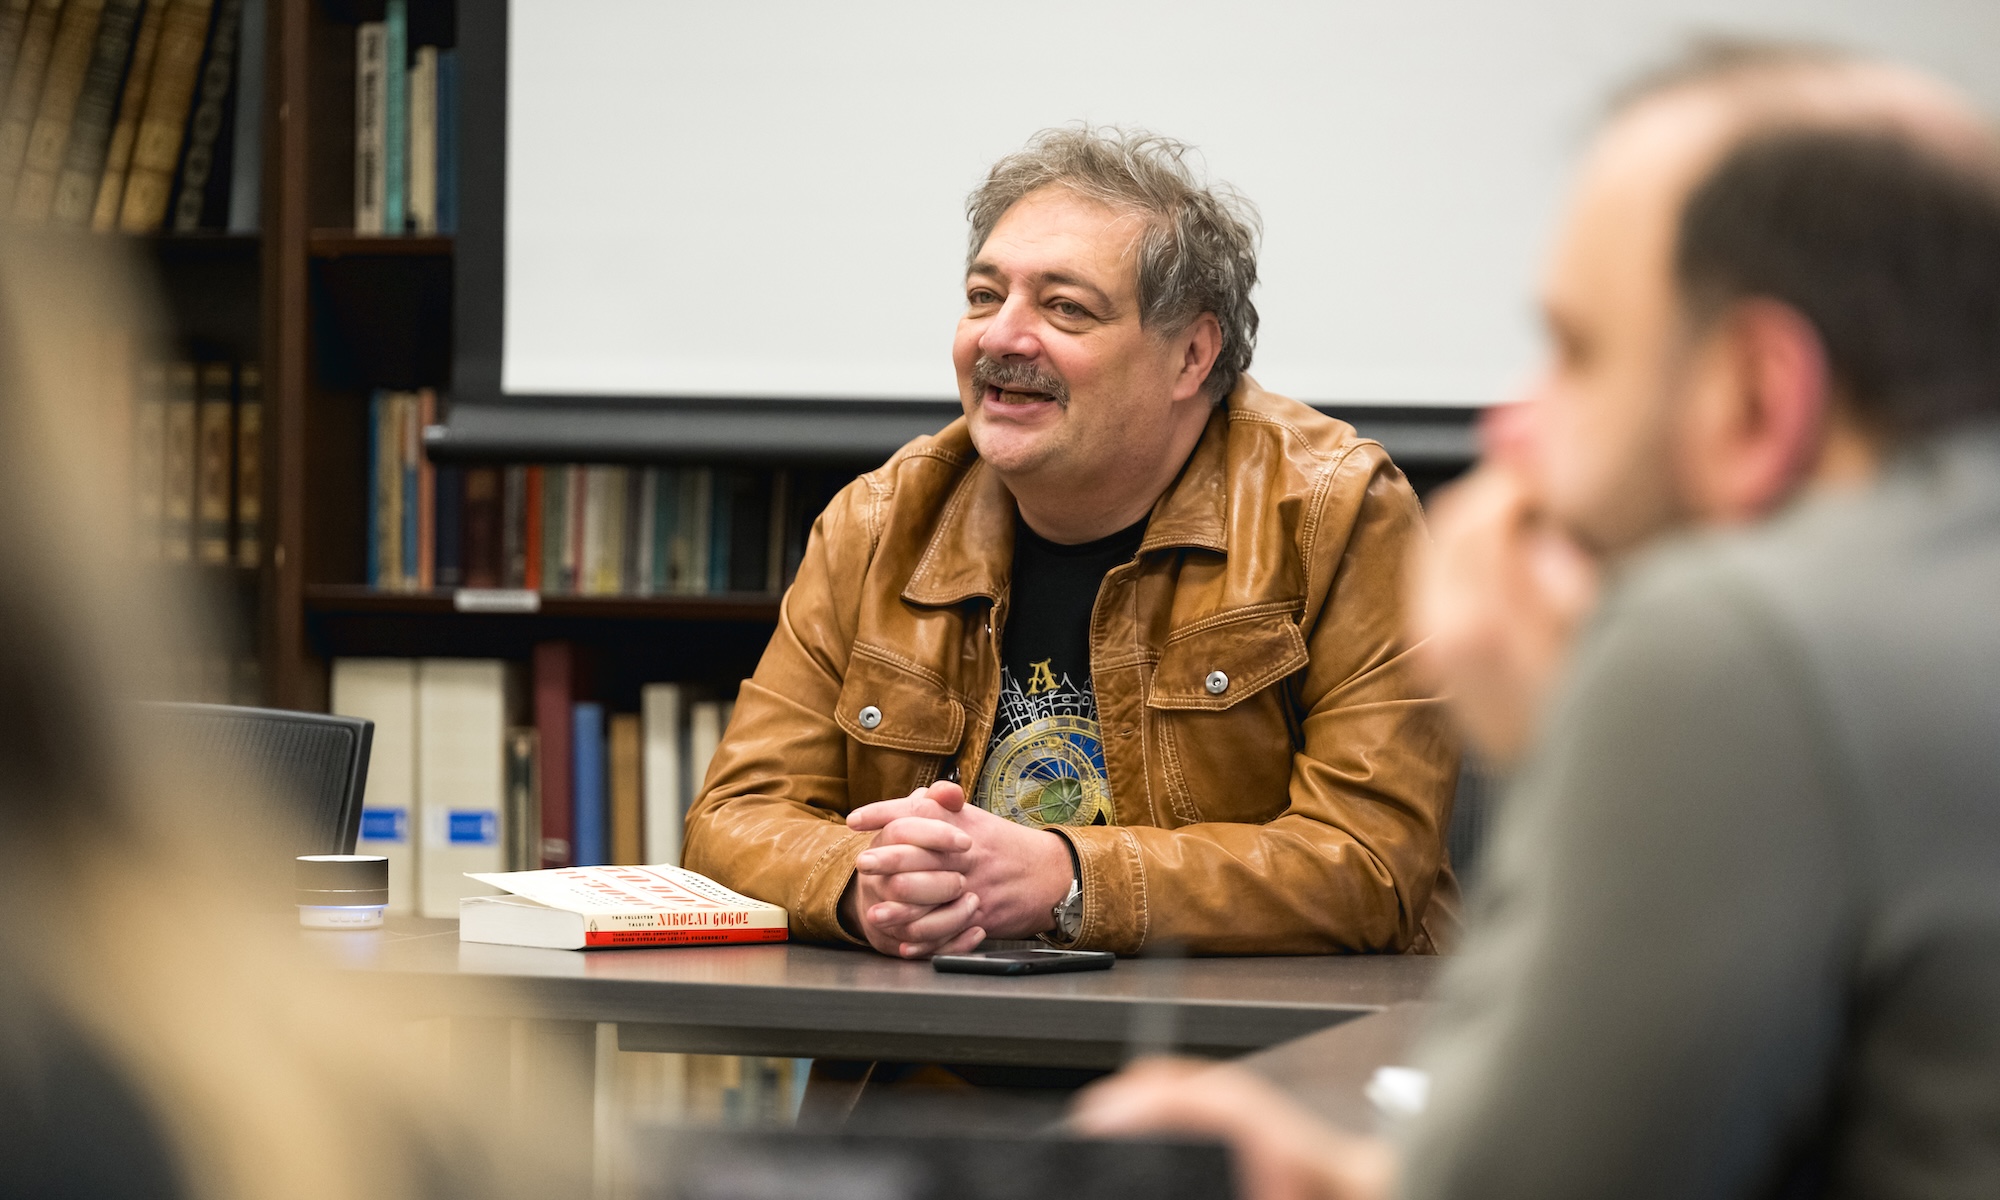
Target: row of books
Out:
[134,115]
[575,529]
[405,130]
[481,766]
[197,463]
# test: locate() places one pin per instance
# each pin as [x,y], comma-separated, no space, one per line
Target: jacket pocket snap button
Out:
[869,717]
[1216,683]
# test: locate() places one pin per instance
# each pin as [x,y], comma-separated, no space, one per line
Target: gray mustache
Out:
[1019,377]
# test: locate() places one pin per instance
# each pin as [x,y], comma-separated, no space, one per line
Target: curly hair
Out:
[1199,252]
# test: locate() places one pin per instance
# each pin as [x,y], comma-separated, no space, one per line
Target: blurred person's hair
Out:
[123,919]
[1716,59]
[1876,222]
[1890,248]
[1198,252]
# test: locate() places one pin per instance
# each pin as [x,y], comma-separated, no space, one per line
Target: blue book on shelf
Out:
[375,417]
[396,117]
[447,141]
[587,750]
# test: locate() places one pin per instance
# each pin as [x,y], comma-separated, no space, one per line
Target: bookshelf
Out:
[333,315]
[344,314]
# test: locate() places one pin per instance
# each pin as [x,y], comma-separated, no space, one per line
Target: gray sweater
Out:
[1740,929]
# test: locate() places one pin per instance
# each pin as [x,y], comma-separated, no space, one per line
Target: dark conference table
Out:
[795,1000]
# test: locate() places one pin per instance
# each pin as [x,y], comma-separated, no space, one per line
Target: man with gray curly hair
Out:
[1117,658]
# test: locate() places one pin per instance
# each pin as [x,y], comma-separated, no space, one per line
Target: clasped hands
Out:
[942,875]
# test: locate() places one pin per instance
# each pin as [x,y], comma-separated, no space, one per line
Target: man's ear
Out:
[1767,416]
[1198,345]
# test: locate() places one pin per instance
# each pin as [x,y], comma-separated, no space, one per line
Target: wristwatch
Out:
[1069,913]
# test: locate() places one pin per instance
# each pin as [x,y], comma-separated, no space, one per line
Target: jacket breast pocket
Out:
[1220,730]
[892,704]
[1218,662]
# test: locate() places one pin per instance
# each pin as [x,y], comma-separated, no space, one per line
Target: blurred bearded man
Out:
[1741,935]
[1118,658]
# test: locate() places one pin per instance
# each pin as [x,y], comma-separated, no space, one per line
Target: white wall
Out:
[765,197]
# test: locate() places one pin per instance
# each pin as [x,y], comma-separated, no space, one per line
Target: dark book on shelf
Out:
[13,22]
[201,192]
[214,478]
[74,191]
[482,547]
[450,503]
[170,94]
[556,687]
[24,86]
[110,182]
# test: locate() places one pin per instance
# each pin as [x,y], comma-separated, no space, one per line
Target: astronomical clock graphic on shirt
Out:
[1046,762]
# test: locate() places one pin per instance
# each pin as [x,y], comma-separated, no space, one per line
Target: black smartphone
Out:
[1024,962]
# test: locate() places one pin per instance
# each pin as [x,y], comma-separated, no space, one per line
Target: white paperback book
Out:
[462,707]
[662,707]
[384,690]
[707,719]
[577,908]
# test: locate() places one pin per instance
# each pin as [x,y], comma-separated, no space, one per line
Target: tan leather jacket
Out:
[1300,810]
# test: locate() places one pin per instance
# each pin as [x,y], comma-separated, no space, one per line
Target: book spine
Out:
[24,90]
[681,937]
[628,845]
[395,117]
[605,537]
[555,685]
[205,126]
[513,527]
[482,527]
[774,546]
[721,526]
[661,708]
[520,822]
[389,491]
[574,494]
[156,150]
[462,708]
[125,130]
[149,445]
[13,22]
[667,505]
[62,84]
[700,520]
[426,416]
[447,141]
[555,535]
[749,531]
[587,748]
[249,465]
[448,542]
[66,147]
[407,455]
[384,690]
[423,140]
[214,477]
[639,530]
[370,132]
[531,541]
[247,140]
[178,472]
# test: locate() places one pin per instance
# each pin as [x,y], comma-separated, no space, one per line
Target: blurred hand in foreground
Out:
[1497,594]
[942,875]
[1282,1151]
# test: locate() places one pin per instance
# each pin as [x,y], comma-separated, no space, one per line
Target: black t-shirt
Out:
[1045,763]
